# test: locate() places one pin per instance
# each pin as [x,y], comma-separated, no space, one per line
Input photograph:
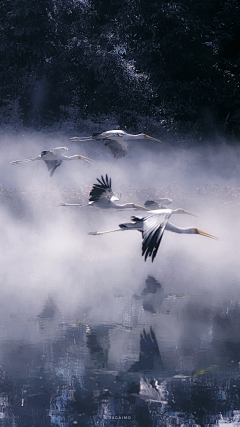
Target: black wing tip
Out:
[104,181]
[135,218]
[151,244]
[99,188]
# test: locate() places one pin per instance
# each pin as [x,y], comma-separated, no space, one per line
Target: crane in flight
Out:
[115,140]
[54,158]
[152,227]
[102,196]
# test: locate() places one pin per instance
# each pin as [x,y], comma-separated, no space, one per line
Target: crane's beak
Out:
[150,137]
[202,233]
[87,159]
[189,213]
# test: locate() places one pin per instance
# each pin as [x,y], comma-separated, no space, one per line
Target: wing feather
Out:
[52,165]
[101,190]
[153,229]
[118,147]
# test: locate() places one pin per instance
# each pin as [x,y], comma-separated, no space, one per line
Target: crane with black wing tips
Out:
[152,227]
[102,196]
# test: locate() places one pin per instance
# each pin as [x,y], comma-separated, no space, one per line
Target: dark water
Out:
[169,359]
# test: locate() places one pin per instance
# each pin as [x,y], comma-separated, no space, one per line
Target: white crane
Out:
[115,140]
[103,197]
[54,158]
[152,228]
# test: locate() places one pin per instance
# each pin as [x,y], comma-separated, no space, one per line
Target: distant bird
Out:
[152,228]
[54,158]
[157,204]
[115,140]
[103,197]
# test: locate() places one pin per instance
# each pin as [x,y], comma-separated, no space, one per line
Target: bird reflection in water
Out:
[149,355]
[153,296]
[98,345]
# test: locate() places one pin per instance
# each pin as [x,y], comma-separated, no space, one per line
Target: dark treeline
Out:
[173,64]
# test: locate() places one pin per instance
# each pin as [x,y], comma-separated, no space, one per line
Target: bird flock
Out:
[156,215]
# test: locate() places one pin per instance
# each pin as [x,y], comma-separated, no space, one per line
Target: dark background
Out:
[153,66]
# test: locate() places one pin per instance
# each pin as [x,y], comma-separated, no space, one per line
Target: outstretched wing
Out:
[101,190]
[52,165]
[118,147]
[153,228]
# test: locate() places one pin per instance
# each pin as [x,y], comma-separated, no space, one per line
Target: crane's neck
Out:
[128,206]
[123,206]
[75,157]
[174,229]
[178,211]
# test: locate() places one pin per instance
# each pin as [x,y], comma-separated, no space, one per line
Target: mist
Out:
[46,251]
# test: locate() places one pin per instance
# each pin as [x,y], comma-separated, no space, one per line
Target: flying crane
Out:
[152,227]
[115,140]
[54,158]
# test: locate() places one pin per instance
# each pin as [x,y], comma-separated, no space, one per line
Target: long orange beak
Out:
[150,137]
[86,159]
[202,233]
[189,213]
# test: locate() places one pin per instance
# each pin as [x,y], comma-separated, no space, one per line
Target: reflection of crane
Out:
[115,140]
[103,197]
[54,158]
[149,355]
[153,296]
[98,345]
[152,228]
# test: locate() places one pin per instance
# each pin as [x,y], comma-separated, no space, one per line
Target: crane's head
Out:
[150,137]
[202,233]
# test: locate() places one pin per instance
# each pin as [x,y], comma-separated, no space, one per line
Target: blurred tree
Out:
[177,61]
